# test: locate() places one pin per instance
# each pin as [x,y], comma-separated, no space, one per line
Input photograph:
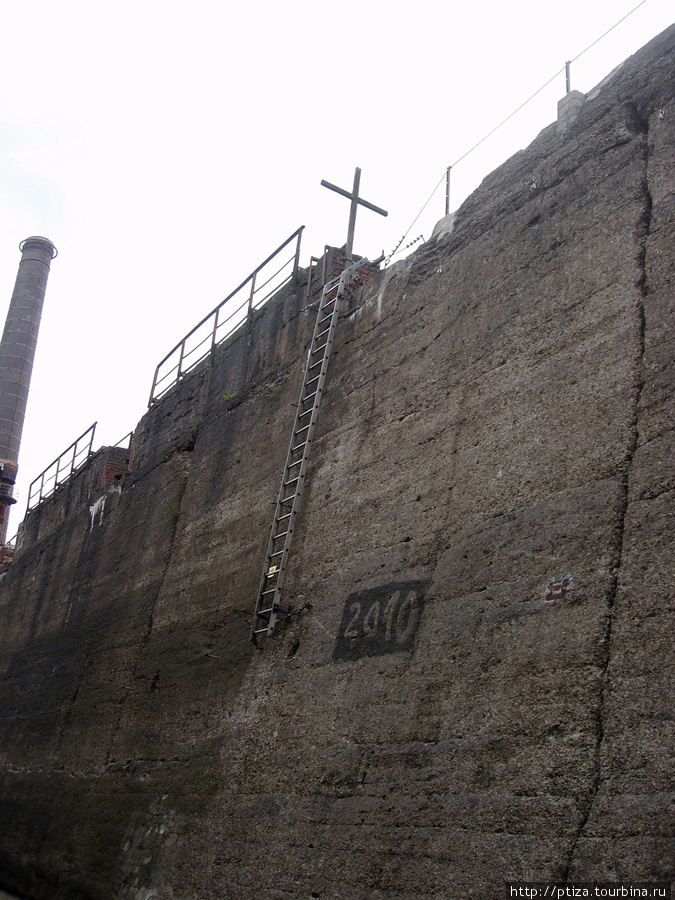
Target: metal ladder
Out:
[278,548]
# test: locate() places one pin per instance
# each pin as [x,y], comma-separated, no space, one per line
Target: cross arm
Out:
[382,212]
[349,196]
[334,187]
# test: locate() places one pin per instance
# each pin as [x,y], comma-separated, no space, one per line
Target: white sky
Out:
[168,148]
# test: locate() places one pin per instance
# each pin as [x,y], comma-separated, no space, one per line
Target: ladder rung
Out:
[277,536]
[326,318]
[271,591]
[319,362]
[325,331]
[311,380]
[304,428]
[306,412]
[265,612]
[305,399]
[297,447]
[260,631]
[291,481]
[290,466]
[316,349]
[286,515]
[277,553]
[288,500]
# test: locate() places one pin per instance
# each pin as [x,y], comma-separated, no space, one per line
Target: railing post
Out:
[296,262]
[154,385]
[250,299]
[91,439]
[215,329]
[180,361]
[324,264]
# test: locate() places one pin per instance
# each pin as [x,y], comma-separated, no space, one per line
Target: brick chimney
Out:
[17,352]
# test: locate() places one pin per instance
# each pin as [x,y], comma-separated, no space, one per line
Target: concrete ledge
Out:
[444,226]
[569,108]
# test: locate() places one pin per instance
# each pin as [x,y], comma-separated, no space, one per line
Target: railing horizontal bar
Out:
[274,290]
[159,394]
[127,439]
[49,482]
[234,313]
[217,331]
[208,338]
[164,377]
[232,293]
[281,269]
[230,331]
[194,363]
[278,250]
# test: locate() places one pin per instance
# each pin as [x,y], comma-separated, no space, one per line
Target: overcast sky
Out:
[167,148]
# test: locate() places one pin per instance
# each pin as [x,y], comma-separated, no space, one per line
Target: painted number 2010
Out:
[379,620]
[398,619]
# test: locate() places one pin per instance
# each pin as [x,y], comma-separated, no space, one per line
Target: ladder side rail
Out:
[264,581]
[269,609]
[305,455]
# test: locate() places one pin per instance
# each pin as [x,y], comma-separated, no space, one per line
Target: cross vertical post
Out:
[352,214]
[355,200]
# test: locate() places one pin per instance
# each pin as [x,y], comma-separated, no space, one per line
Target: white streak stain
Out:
[97,510]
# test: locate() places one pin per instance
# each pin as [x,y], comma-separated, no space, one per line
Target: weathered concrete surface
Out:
[482,687]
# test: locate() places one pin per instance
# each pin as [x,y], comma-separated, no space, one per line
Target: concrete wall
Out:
[475,683]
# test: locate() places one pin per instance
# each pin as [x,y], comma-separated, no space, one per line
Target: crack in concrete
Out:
[643,228]
[148,631]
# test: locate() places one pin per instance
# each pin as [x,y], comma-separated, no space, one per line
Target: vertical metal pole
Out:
[447,191]
[154,385]
[215,328]
[567,76]
[180,362]
[326,248]
[352,215]
[296,263]
[312,260]
[250,299]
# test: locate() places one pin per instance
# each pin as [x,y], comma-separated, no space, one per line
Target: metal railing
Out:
[62,468]
[125,442]
[315,260]
[220,323]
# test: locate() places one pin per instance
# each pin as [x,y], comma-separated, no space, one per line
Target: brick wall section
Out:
[116,466]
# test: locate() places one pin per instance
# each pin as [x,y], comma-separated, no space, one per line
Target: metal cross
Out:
[355,200]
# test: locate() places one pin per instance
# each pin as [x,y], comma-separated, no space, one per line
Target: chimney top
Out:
[43,242]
